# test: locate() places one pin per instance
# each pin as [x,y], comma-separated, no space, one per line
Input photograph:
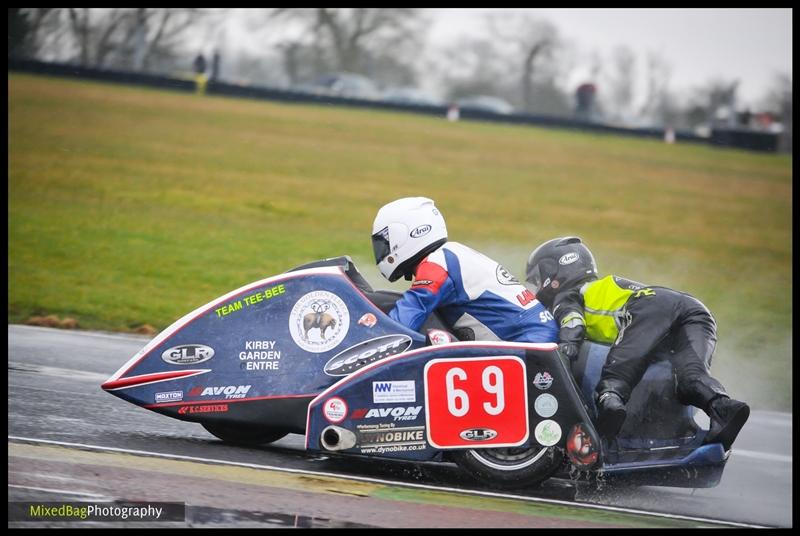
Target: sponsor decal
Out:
[580,449]
[543,380]
[422,230]
[169,396]
[251,300]
[205,408]
[259,355]
[364,353]
[319,321]
[392,436]
[399,413]
[394,391]
[525,297]
[187,354]
[368,320]
[335,410]
[228,391]
[628,284]
[504,277]
[568,258]
[421,283]
[466,398]
[547,433]
[545,405]
[478,434]
[439,337]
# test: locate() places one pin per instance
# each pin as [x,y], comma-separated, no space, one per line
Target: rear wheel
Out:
[244,434]
[514,467]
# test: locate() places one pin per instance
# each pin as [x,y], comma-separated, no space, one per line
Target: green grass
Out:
[131,206]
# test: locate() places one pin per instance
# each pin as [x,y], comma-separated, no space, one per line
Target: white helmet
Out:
[404,232]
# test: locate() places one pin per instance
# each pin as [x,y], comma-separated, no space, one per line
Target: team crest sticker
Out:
[543,380]
[319,321]
[504,277]
[545,405]
[547,433]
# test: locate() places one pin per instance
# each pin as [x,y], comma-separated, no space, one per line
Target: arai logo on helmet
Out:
[568,258]
[422,230]
[187,354]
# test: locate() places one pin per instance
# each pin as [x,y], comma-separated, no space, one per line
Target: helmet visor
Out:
[380,244]
[534,278]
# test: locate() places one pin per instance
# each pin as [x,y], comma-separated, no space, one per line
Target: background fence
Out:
[738,138]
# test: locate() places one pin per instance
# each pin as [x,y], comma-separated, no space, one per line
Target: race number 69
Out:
[476,402]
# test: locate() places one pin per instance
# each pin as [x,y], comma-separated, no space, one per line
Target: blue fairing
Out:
[255,351]
[273,353]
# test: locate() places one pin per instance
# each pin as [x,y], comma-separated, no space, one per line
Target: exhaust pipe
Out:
[337,438]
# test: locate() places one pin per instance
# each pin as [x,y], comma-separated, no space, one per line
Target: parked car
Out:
[342,85]
[485,103]
[410,95]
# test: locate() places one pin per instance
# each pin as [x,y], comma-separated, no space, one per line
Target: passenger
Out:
[475,295]
[635,319]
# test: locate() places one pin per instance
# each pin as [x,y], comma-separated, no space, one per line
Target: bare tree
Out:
[126,38]
[347,39]
[713,103]
[29,30]
[620,79]
[778,101]
[661,105]
[658,73]
[104,46]
[531,40]
[473,65]
[80,25]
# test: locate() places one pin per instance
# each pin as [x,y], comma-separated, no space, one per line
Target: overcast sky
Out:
[750,45]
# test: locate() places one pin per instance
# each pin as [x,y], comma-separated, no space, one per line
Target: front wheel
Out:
[510,467]
[244,434]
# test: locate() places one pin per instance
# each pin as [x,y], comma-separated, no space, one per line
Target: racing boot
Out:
[727,418]
[610,414]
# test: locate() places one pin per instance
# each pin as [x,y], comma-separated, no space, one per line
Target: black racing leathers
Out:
[643,322]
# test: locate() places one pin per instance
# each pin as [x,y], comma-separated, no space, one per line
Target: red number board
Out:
[476,402]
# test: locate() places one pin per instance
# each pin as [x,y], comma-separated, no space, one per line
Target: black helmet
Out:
[559,264]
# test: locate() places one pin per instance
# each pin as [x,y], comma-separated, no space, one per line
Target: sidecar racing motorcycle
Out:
[312,351]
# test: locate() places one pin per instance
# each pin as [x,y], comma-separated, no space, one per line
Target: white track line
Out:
[51,390]
[60,331]
[62,491]
[389,482]
[762,456]
[20,367]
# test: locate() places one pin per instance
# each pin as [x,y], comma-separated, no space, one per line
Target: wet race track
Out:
[71,441]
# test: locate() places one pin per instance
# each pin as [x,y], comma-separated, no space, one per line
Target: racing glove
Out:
[569,350]
[571,335]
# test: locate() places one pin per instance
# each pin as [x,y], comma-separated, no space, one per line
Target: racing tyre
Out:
[510,467]
[244,434]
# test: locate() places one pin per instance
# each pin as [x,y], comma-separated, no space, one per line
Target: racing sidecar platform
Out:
[511,413]
[313,351]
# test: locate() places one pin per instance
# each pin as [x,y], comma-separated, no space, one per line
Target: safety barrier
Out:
[742,139]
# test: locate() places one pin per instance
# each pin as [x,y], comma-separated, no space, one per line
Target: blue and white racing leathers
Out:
[472,291]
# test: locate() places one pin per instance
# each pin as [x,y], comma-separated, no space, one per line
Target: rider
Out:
[475,295]
[636,319]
